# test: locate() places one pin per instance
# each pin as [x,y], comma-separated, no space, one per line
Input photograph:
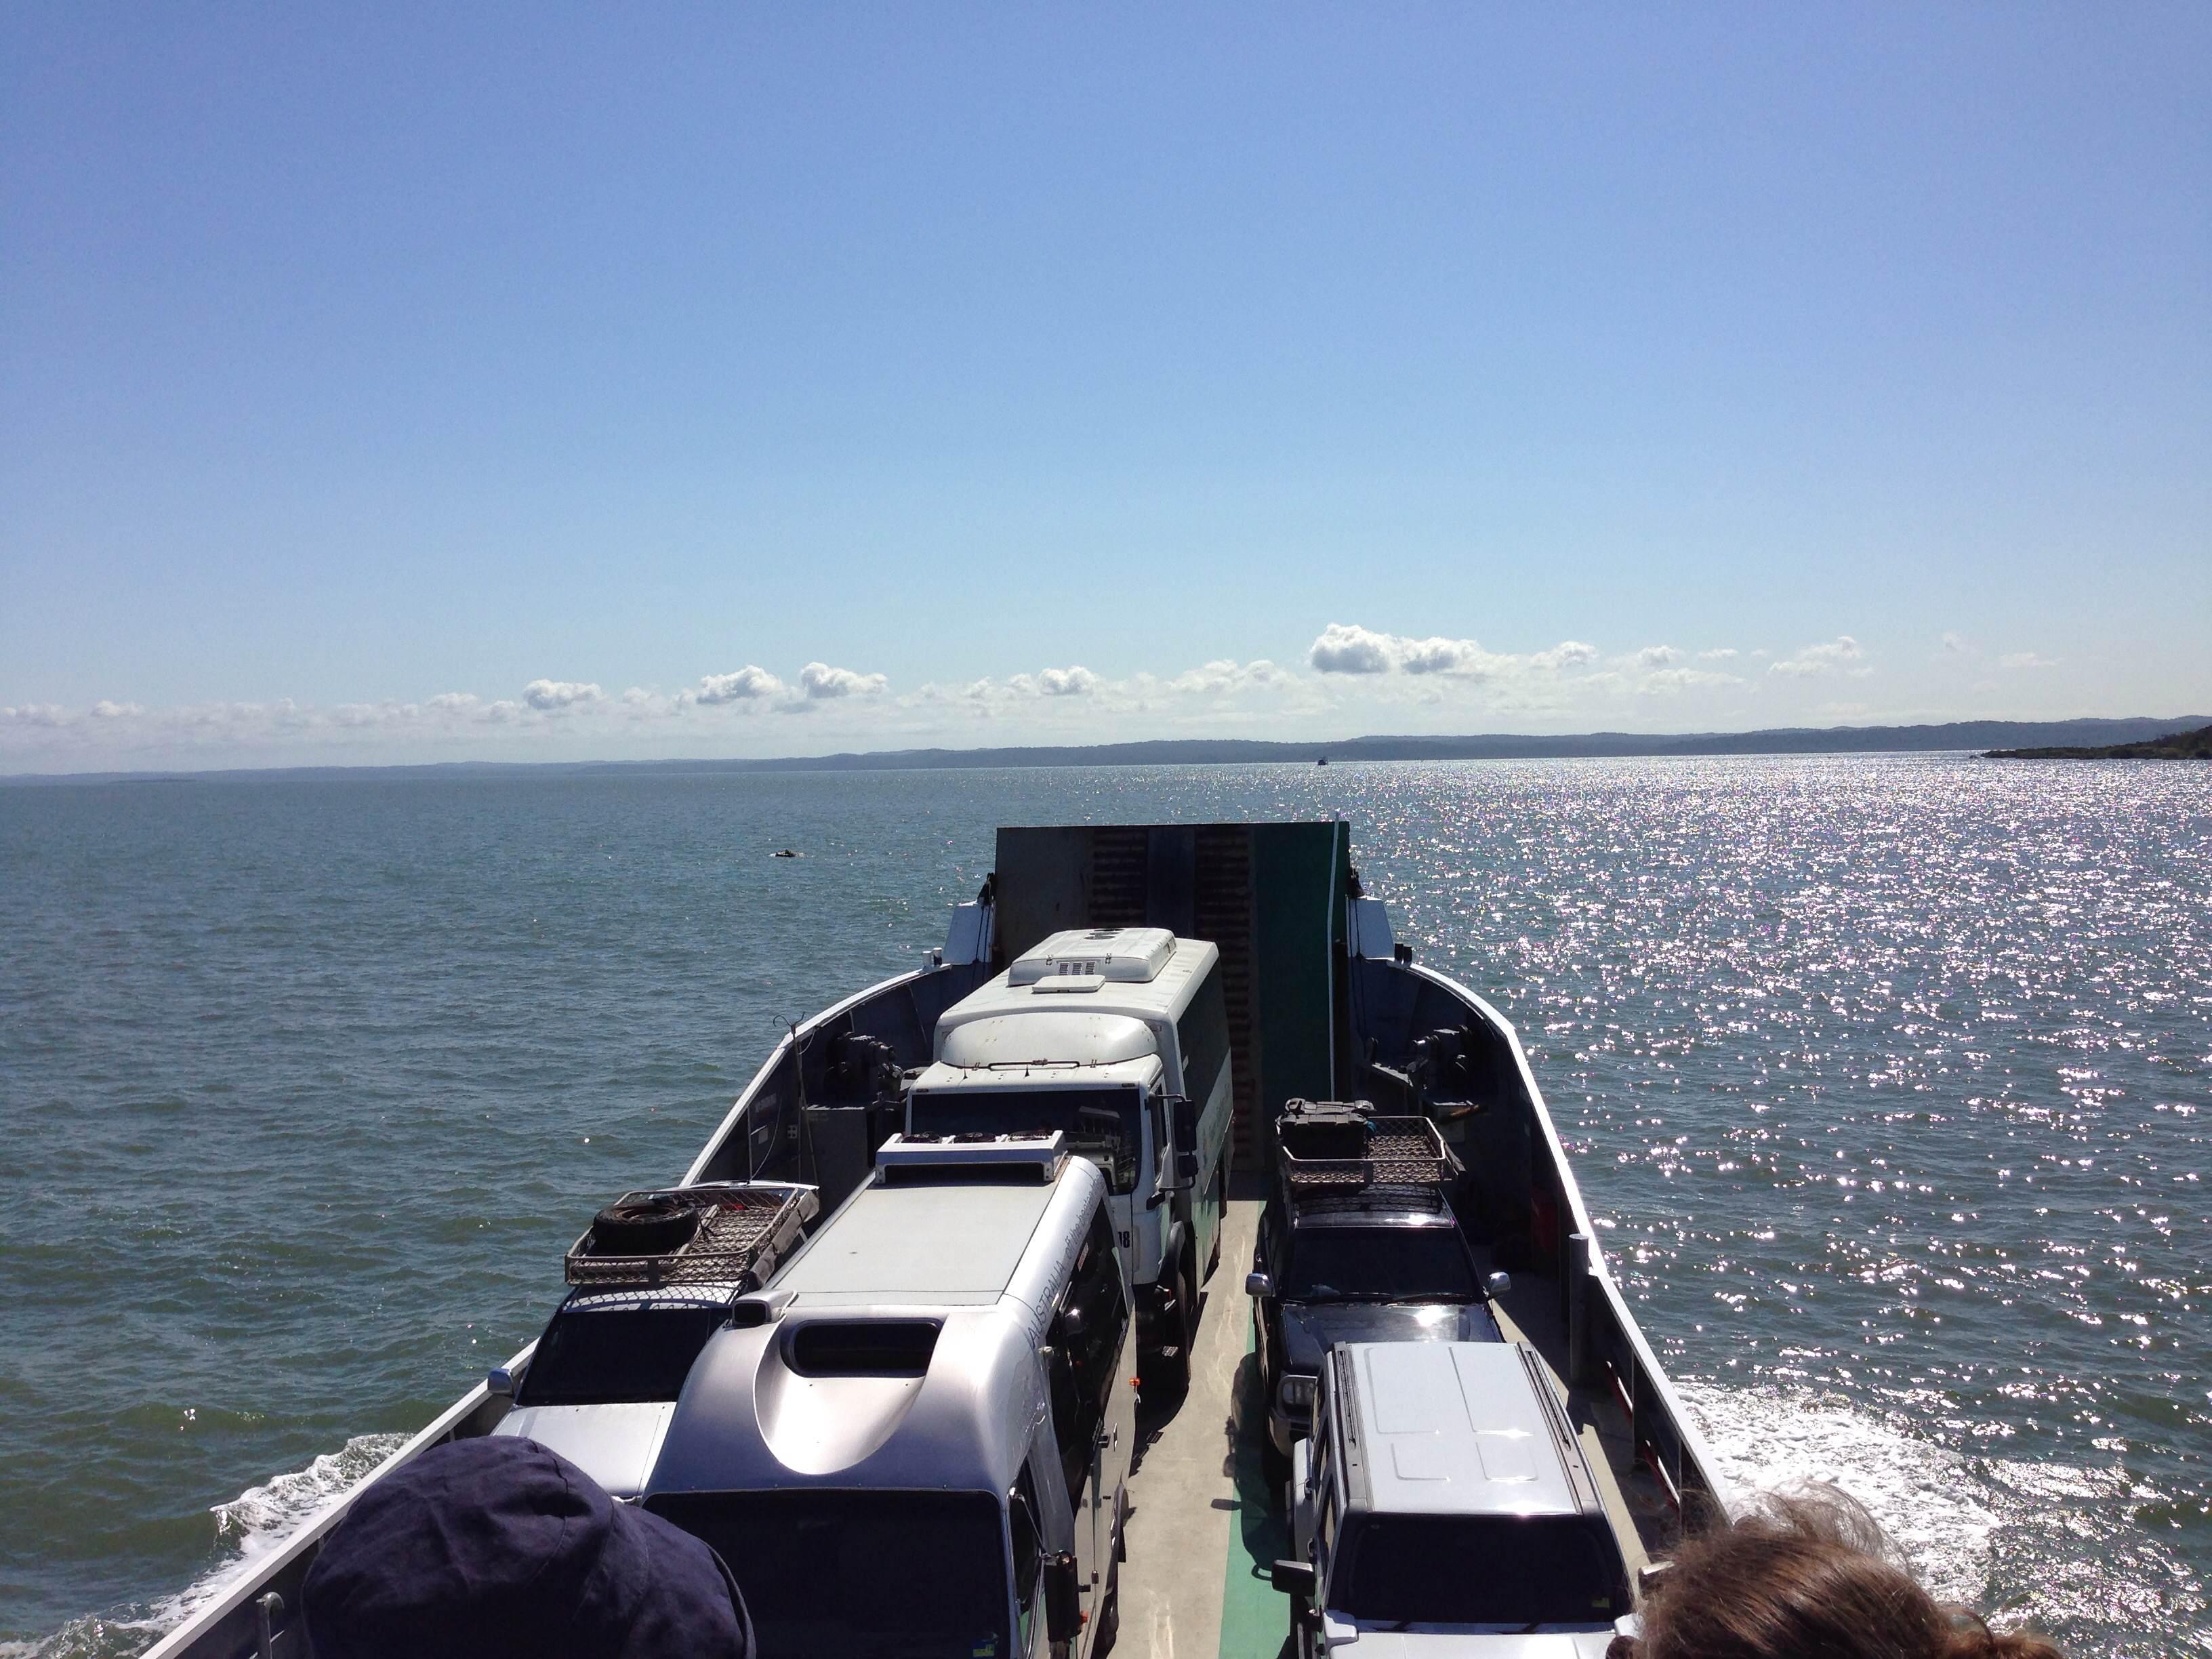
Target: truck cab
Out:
[1444,1506]
[1118,1040]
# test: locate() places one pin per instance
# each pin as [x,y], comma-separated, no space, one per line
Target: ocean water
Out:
[1889,1079]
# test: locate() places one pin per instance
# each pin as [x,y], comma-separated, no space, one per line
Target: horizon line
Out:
[1918,738]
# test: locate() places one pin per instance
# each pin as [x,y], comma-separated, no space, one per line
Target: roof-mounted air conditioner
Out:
[1087,957]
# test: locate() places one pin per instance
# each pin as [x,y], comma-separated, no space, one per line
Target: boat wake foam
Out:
[248,1529]
[2055,1544]
[1770,1439]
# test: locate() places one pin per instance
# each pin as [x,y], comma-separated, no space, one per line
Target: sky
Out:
[415,383]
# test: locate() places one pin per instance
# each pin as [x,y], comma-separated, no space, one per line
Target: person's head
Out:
[486,1547]
[1807,1576]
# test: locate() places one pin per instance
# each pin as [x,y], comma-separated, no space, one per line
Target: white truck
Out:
[1117,1038]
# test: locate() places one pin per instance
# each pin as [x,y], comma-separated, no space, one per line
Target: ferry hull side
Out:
[1565,1296]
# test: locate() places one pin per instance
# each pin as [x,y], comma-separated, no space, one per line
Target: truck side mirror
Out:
[500,1384]
[1187,1168]
[1294,1578]
[1186,1123]
[1258,1284]
[1497,1283]
[1063,1609]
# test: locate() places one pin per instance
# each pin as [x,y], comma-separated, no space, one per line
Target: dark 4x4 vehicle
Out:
[1358,1243]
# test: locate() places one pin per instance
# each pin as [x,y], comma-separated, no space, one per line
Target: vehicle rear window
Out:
[1415,1264]
[617,1356]
[1480,1569]
[833,1573]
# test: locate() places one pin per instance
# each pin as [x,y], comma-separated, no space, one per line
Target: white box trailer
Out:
[1118,1039]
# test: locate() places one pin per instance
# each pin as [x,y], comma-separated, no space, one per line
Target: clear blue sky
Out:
[415,382]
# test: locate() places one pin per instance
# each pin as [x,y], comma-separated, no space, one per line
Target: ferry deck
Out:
[1324,1003]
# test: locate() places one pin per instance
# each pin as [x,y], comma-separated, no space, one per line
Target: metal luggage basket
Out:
[1401,1152]
[746,1228]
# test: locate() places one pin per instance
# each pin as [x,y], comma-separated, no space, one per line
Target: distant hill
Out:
[1988,735]
[2180,745]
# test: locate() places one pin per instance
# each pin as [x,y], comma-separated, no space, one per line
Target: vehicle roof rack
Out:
[746,1228]
[1337,1146]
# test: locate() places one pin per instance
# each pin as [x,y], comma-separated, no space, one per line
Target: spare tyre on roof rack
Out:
[719,1233]
[649,1224]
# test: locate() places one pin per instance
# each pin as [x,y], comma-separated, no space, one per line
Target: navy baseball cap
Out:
[494,1545]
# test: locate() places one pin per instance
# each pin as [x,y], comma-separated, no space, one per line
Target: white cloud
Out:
[1441,656]
[1348,648]
[1225,675]
[1654,671]
[1074,681]
[2026,659]
[754,686]
[1359,679]
[1567,653]
[1666,682]
[1550,683]
[751,683]
[818,680]
[1224,688]
[547,696]
[1841,655]
[109,727]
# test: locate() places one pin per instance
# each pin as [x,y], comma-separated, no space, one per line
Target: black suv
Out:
[1360,1248]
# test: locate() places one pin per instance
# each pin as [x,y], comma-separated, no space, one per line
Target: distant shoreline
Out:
[2076,737]
[2178,746]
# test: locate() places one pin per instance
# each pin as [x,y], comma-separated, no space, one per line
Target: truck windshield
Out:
[850,1574]
[1380,1264]
[618,1356]
[1101,1124]
[1535,1570]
